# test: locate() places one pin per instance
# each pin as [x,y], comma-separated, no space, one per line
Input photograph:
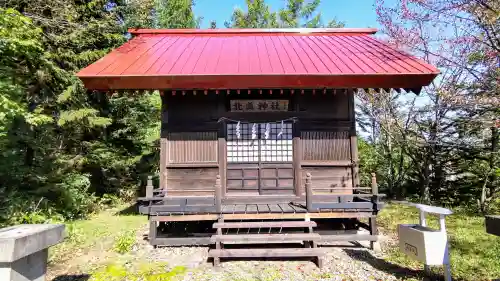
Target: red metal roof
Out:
[256,58]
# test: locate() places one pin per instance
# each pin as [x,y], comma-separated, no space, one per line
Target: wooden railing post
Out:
[164,187]
[218,195]
[373,220]
[149,187]
[374,184]
[309,193]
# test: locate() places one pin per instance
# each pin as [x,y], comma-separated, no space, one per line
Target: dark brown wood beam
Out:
[222,157]
[188,241]
[353,143]
[164,143]
[348,237]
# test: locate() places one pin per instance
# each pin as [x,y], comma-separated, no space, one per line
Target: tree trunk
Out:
[424,190]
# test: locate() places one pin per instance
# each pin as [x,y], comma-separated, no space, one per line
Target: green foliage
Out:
[160,14]
[368,161]
[297,13]
[124,242]
[62,146]
[22,60]
[175,14]
[67,152]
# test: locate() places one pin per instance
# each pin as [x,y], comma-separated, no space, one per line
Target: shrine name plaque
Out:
[259,105]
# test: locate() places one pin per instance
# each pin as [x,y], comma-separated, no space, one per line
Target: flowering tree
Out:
[462,38]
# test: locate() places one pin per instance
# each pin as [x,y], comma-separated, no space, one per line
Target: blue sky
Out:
[355,13]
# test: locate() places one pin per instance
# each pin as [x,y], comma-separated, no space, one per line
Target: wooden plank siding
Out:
[321,146]
[191,181]
[326,155]
[192,148]
[329,180]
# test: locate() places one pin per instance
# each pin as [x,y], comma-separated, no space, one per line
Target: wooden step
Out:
[265,238]
[267,224]
[255,253]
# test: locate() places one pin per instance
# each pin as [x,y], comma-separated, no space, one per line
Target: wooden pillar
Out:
[353,140]
[309,193]
[297,152]
[153,227]
[354,159]
[218,195]
[163,163]
[374,245]
[164,142]
[218,244]
[297,169]
[222,157]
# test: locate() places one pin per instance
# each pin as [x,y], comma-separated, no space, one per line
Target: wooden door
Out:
[260,158]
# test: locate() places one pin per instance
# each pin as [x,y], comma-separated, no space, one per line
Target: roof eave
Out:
[189,82]
[249,31]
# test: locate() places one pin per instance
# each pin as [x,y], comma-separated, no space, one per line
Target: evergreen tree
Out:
[297,13]
[176,14]
[160,14]
[66,144]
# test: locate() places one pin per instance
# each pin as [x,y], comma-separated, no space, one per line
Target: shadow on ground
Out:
[380,264]
[80,277]
[131,210]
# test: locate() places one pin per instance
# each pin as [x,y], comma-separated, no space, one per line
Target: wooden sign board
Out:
[259,105]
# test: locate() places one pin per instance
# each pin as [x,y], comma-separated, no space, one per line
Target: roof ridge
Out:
[261,31]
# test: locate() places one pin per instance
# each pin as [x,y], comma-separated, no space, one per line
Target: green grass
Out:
[124,242]
[474,254]
[142,272]
[101,231]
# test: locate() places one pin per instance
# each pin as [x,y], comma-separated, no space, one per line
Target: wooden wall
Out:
[325,138]
[325,146]
[192,147]
[193,141]
[191,181]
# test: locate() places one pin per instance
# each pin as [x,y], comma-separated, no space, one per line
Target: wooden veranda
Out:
[262,214]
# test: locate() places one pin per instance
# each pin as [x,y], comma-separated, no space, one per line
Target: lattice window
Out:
[277,147]
[243,149]
[270,142]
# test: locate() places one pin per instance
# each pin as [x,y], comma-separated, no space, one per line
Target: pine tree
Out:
[160,14]
[66,143]
[297,13]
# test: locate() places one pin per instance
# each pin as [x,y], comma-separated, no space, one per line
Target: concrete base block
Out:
[29,268]
[24,250]
[375,246]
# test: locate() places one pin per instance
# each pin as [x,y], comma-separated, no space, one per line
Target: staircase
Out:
[309,238]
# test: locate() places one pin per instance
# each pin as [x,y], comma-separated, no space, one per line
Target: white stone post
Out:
[24,250]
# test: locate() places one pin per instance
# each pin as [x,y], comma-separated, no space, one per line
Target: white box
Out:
[423,244]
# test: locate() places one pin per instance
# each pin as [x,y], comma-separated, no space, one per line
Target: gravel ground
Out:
[342,262]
